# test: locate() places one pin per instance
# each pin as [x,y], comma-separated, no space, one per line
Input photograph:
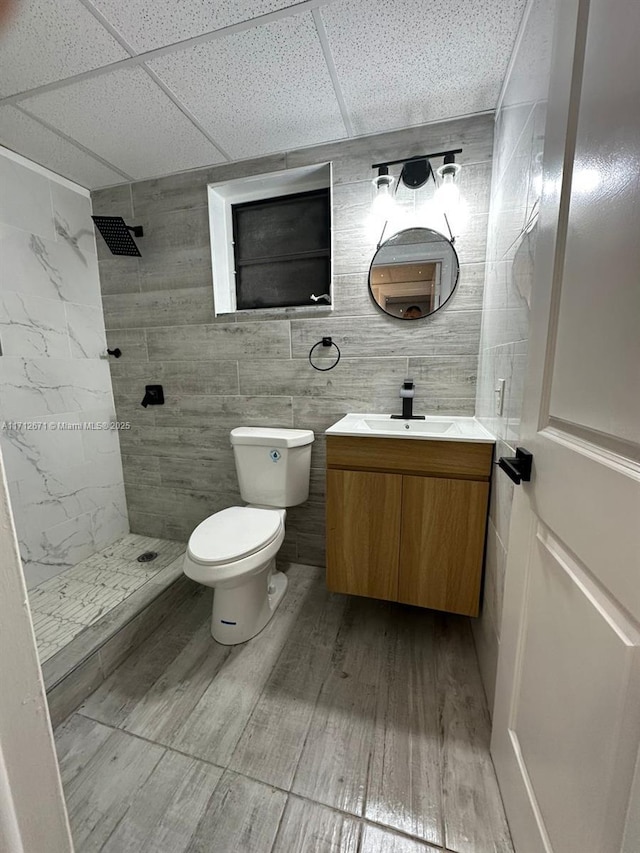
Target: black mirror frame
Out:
[453,289]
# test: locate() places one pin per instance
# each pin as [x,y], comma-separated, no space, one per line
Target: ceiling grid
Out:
[74,142]
[326,49]
[105,90]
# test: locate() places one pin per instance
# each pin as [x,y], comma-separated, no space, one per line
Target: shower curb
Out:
[79,668]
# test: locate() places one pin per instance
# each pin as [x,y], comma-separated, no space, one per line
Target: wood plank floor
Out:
[347,725]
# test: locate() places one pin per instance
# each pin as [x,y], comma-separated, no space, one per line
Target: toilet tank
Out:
[273,464]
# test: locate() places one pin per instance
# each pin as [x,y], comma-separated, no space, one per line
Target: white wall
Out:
[66,486]
[515,193]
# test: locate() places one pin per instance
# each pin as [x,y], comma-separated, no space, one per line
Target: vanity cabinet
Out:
[406,520]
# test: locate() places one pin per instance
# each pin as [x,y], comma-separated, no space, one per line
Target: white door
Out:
[33,818]
[567,715]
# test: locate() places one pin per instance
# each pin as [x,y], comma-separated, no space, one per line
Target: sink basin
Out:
[432,427]
[426,427]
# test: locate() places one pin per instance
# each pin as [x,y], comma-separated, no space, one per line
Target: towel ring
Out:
[325,342]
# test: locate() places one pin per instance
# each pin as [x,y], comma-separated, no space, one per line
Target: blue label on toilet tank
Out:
[275,455]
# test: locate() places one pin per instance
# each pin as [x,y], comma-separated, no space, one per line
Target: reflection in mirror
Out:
[413,273]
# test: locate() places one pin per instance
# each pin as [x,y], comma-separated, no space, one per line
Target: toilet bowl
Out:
[234,550]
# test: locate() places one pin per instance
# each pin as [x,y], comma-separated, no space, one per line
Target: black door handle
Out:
[517,467]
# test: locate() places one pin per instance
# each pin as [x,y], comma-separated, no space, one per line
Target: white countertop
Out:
[433,427]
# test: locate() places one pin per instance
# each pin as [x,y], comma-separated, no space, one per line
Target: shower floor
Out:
[65,605]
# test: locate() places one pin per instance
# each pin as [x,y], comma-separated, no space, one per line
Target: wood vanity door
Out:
[363,527]
[441,547]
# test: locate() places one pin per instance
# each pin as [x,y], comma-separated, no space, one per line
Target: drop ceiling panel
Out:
[413,62]
[27,136]
[125,118]
[147,24]
[47,41]
[261,90]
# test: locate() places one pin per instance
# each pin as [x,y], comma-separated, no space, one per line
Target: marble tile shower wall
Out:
[252,369]
[515,199]
[66,485]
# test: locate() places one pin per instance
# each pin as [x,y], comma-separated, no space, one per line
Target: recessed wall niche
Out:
[271,240]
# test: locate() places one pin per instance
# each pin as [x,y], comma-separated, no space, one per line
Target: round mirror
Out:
[413,273]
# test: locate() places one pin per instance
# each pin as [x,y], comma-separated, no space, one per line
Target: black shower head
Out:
[116,234]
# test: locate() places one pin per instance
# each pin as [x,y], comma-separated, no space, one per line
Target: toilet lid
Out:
[233,533]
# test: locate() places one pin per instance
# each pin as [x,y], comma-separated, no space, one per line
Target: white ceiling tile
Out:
[258,91]
[406,63]
[147,24]
[28,137]
[47,41]
[125,118]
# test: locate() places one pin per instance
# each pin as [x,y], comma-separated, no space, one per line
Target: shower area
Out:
[89,579]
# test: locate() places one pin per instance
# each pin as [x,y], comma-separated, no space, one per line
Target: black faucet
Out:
[407,392]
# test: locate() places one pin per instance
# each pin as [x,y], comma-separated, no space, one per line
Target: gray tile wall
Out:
[515,198]
[252,369]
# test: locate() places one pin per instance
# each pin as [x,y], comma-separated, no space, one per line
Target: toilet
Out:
[234,550]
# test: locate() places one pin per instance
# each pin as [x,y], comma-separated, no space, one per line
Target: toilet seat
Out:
[234,534]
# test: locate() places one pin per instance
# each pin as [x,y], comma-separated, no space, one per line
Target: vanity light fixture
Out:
[415,173]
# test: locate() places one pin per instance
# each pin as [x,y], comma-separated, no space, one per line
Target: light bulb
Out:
[448,193]
[384,203]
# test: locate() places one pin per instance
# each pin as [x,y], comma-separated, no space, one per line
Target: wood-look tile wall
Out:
[252,369]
